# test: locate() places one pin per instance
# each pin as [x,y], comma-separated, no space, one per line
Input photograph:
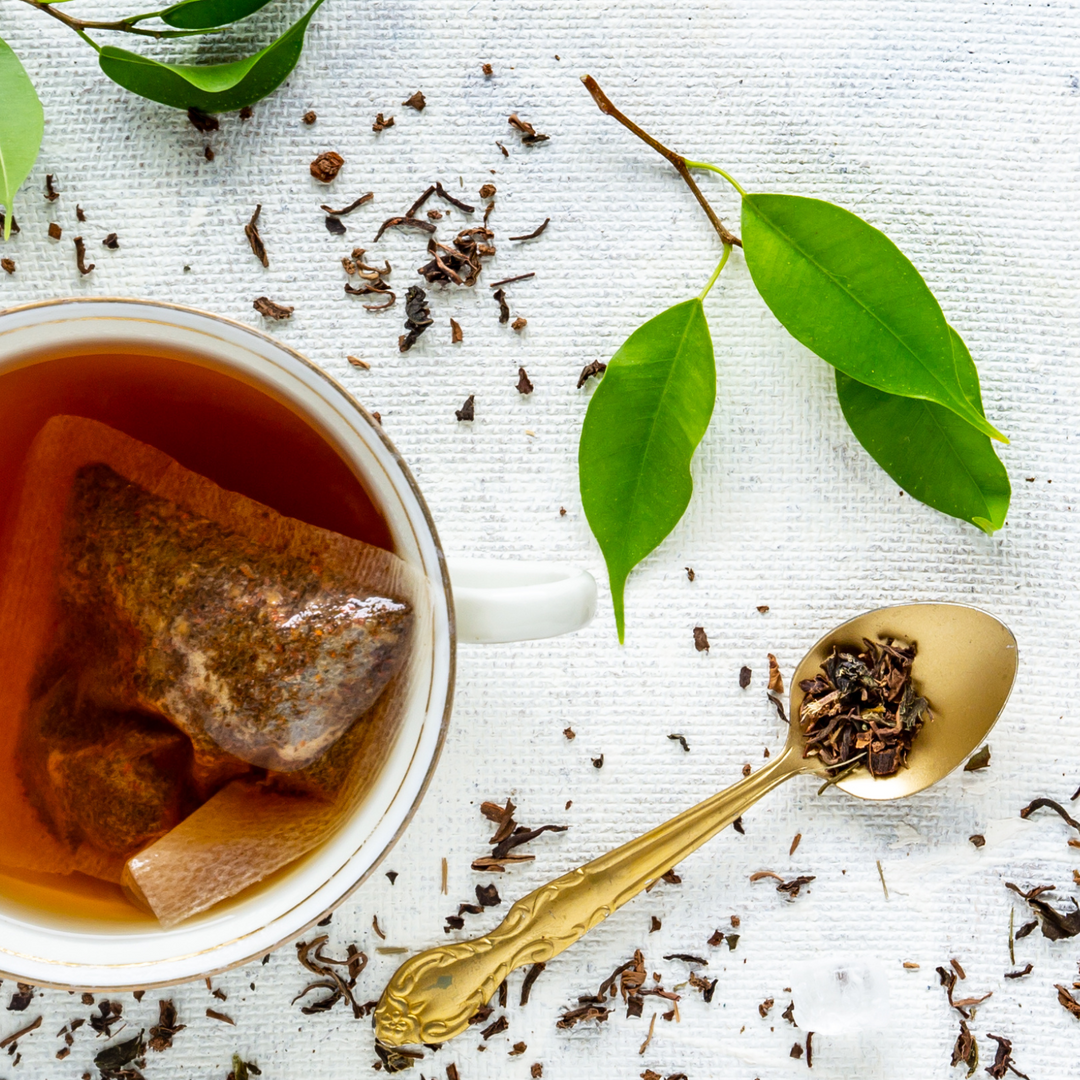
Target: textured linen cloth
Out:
[953,126]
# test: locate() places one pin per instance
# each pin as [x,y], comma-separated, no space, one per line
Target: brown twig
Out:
[605,105]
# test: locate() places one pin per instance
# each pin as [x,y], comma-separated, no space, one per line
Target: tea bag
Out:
[154,605]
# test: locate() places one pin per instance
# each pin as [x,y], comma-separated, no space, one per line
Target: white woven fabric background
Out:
[951,125]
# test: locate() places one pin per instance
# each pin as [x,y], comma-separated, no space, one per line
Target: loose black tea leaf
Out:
[688,958]
[737,825]
[468,410]
[689,573]
[535,233]
[403,221]
[745,675]
[22,997]
[161,1034]
[789,1014]
[965,1049]
[203,122]
[225,1019]
[417,318]
[334,226]
[978,840]
[504,307]
[1026,929]
[326,166]
[271,310]
[1055,925]
[382,123]
[862,706]
[112,241]
[392,875]
[487,70]
[598,762]
[495,1028]
[309,117]
[50,189]
[7,265]
[351,207]
[417,101]
[530,977]
[593,369]
[1003,1059]
[796,1051]
[114,1058]
[15,1036]
[456,335]
[1038,804]
[80,257]
[444,194]
[487,896]
[251,231]
[654,925]
[519,324]
[108,1014]
[790,888]
[487,191]
[776,680]
[1066,1000]
[681,740]
[1026,970]
[208,153]
[701,639]
[979,760]
[524,386]
[529,134]
[948,979]
[511,280]
[55,232]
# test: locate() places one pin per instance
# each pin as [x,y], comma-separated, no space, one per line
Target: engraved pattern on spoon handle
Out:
[432,995]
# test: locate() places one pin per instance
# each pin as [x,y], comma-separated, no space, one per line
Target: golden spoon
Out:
[965,668]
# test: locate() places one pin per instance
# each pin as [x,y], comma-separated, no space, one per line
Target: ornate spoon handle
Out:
[432,995]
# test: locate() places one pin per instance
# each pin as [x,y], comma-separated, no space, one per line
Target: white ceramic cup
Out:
[494,601]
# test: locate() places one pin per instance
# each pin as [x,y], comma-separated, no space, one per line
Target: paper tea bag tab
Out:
[263,654]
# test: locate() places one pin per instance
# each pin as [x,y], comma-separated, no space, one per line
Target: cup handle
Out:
[502,600]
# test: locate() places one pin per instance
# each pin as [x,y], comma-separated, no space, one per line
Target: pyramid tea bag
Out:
[188,682]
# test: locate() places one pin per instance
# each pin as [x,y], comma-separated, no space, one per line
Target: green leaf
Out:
[212,87]
[928,450]
[847,292]
[208,14]
[643,424]
[22,123]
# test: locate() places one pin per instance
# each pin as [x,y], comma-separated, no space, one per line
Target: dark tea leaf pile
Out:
[862,707]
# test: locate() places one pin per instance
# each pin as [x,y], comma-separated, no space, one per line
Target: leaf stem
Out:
[605,105]
[716,169]
[126,26]
[716,272]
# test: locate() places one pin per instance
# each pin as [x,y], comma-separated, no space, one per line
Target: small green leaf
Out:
[928,450]
[847,292]
[643,424]
[208,14]
[212,87]
[22,123]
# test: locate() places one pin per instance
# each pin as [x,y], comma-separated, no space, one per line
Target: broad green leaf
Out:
[643,424]
[847,292]
[928,450]
[208,14]
[22,123]
[212,87]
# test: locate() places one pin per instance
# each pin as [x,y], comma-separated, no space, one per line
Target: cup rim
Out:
[375,428]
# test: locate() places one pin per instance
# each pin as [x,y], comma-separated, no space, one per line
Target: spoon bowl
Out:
[965,666]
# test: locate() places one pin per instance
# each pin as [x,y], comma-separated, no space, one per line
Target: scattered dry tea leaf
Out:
[763,609]
[1055,924]
[247,112]
[1038,804]
[208,152]
[357,362]
[334,226]
[570,734]
[797,1051]
[50,188]
[598,762]
[80,256]
[978,840]
[910,965]
[487,70]
[764,1007]
[487,191]
[309,117]
[519,324]
[326,166]
[511,280]
[1002,1064]
[1026,970]
[7,265]
[745,675]
[795,843]
[530,977]
[701,639]
[80,213]
[589,371]
[681,740]
[504,308]
[382,123]
[979,760]
[524,385]
[654,925]
[417,317]
[690,575]
[55,232]
[417,101]
[112,241]
[776,680]
[456,335]
[535,233]
[351,207]
[203,122]
[717,939]
[747,769]
[251,231]
[519,1048]
[529,134]
[271,310]
[467,411]
[215,1015]
[161,1034]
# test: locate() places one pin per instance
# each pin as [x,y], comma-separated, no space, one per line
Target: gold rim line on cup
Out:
[444,724]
